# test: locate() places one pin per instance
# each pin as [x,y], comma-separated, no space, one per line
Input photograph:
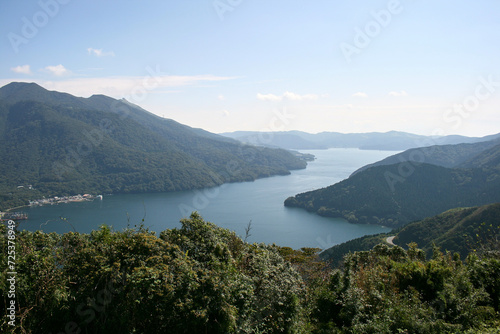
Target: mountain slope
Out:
[460,230]
[285,139]
[61,144]
[489,158]
[441,155]
[397,194]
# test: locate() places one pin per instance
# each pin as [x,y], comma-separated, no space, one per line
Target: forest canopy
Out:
[201,278]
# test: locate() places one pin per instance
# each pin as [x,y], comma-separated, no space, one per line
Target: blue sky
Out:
[348,66]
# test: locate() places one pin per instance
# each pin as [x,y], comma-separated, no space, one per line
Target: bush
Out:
[196,279]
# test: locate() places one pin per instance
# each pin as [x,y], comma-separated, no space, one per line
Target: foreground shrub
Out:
[196,279]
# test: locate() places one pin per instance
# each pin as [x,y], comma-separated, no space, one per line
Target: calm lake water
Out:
[231,206]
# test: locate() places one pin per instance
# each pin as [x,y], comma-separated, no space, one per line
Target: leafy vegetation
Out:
[64,145]
[460,230]
[390,290]
[201,278]
[195,279]
[397,194]
[335,255]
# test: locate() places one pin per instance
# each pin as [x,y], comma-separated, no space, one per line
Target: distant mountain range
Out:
[61,144]
[461,230]
[391,141]
[405,191]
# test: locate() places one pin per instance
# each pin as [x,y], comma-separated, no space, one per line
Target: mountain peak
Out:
[23,91]
[15,88]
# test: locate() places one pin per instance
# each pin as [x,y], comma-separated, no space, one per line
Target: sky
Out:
[425,67]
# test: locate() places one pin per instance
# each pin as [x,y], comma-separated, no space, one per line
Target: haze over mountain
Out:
[62,144]
[392,140]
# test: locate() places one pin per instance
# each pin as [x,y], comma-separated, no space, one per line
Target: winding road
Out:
[389,240]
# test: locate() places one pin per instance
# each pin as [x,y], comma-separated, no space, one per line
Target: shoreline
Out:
[56,200]
[17,207]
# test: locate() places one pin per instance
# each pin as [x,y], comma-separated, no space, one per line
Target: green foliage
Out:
[196,279]
[390,290]
[460,230]
[201,278]
[335,255]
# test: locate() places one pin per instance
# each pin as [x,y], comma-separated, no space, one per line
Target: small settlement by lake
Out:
[64,199]
[11,215]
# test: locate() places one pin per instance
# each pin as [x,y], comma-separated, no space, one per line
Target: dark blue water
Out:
[231,206]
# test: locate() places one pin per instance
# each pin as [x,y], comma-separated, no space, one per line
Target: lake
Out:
[232,206]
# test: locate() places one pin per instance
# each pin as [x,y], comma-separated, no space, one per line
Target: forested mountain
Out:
[392,140]
[459,230]
[441,155]
[61,144]
[397,194]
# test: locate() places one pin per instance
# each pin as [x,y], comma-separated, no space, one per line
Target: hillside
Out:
[397,194]
[61,144]
[459,230]
[391,141]
[441,155]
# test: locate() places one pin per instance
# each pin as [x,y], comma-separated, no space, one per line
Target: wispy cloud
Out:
[24,69]
[57,70]
[118,87]
[269,97]
[287,95]
[401,93]
[100,52]
[297,97]
[360,94]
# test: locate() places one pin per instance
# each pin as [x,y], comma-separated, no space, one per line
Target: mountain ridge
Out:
[448,156]
[396,194]
[65,145]
[391,140]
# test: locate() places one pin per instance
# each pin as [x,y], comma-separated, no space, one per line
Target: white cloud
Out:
[287,95]
[297,97]
[24,69]
[100,53]
[360,94]
[221,97]
[401,93]
[57,70]
[268,97]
